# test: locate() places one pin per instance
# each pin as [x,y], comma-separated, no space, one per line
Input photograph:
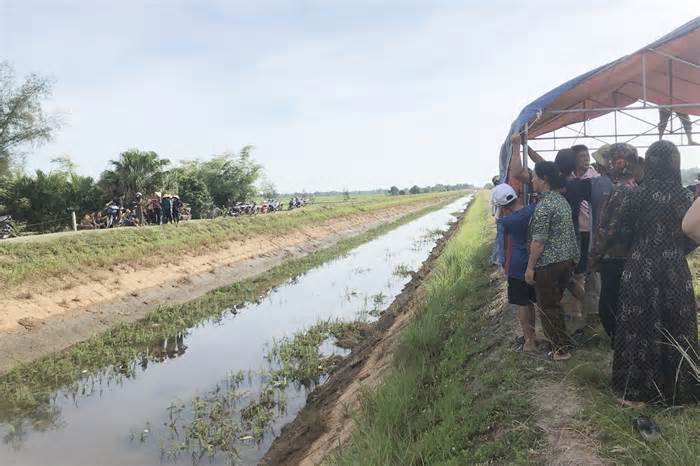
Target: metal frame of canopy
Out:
[626,111]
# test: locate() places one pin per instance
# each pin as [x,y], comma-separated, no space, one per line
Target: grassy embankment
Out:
[28,388]
[459,394]
[55,255]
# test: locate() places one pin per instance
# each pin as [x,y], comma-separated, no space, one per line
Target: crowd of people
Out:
[161,209]
[156,209]
[617,230]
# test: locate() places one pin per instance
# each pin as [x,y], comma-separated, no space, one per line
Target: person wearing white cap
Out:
[514,218]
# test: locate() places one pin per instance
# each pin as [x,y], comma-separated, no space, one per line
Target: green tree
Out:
[22,118]
[134,171]
[43,200]
[230,177]
[194,193]
[394,191]
[414,189]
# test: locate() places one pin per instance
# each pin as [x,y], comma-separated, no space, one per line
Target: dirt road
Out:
[54,315]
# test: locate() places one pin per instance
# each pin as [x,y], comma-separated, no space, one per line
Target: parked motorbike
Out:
[273,205]
[112,214]
[6,228]
[295,203]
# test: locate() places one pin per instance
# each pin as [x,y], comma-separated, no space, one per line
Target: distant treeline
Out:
[394,190]
[415,189]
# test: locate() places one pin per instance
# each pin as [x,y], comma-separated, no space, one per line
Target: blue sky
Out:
[333,93]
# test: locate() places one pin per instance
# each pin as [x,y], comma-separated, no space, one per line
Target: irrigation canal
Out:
[216,368]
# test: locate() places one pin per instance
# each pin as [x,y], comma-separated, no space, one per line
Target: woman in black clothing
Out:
[656,330]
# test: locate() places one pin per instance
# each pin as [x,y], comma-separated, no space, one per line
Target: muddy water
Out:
[108,420]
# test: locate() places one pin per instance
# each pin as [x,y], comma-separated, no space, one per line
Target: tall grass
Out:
[456,394]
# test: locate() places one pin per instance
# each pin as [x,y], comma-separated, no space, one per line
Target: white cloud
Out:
[332,93]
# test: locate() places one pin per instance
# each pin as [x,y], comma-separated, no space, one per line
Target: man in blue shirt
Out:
[514,218]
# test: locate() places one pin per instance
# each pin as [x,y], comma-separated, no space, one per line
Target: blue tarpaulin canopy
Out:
[665,73]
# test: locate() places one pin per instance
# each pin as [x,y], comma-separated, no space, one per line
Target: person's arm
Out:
[540,232]
[515,168]
[691,222]
[536,250]
[534,156]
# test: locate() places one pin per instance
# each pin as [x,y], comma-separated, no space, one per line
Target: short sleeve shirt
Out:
[515,226]
[553,225]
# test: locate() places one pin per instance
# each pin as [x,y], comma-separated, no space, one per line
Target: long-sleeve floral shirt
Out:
[552,224]
[612,240]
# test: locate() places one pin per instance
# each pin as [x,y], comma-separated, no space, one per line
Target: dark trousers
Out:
[610,275]
[550,282]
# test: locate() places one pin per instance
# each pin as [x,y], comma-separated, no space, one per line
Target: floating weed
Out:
[298,358]
[379,298]
[378,301]
[349,294]
[208,426]
[214,424]
[402,270]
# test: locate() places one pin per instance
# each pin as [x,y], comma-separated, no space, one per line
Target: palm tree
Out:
[135,171]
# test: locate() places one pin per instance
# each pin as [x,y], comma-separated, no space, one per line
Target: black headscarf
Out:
[663,164]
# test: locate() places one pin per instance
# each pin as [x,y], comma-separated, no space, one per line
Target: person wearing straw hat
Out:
[166,205]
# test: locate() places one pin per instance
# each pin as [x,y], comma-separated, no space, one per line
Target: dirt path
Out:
[66,310]
[325,422]
[558,404]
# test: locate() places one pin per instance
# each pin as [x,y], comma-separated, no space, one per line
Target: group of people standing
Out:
[621,218]
[160,208]
[156,209]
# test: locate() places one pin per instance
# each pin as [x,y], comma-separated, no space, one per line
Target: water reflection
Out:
[166,348]
[109,405]
[41,412]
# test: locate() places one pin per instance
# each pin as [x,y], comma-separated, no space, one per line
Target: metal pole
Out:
[670,92]
[644,78]
[615,114]
[607,135]
[612,109]
[526,198]
[680,60]
[73,220]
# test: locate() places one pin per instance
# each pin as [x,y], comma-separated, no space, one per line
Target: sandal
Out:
[559,355]
[647,428]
